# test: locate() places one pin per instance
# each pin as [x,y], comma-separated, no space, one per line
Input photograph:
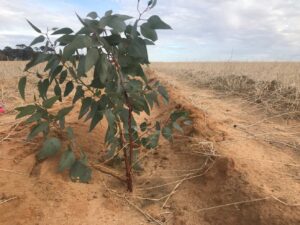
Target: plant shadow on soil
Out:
[46,197]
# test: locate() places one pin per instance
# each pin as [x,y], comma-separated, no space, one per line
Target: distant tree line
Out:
[20,52]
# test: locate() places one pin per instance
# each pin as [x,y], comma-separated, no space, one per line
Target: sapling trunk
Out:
[131,144]
[126,159]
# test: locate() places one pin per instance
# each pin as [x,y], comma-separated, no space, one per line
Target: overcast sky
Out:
[202,29]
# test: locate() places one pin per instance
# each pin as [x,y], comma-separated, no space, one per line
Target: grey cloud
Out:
[202,30]
[252,29]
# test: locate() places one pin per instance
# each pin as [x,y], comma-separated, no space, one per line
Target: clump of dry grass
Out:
[272,95]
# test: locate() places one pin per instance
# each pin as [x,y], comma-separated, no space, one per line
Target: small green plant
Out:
[102,65]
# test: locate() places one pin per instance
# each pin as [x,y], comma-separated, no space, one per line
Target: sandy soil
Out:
[255,164]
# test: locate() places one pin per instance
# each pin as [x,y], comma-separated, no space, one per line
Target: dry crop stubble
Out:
[273,86]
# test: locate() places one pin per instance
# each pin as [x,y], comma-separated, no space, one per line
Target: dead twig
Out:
[284,203]
[10,133]
[231,204]
[109,171]
[175,182]
[12,171]
[268,161]
[8,200]
[248,201]
[271,117]
[145,214]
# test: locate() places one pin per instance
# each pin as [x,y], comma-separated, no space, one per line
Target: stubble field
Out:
[238,164]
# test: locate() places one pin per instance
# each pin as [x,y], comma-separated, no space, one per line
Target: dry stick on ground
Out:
[8,200]
[268,140]
[248,201]
[268,118]
[269,161]
[12,171]
[148,216]
[175,182]
[184,179]
[10,133]
[145,214]
[109,171]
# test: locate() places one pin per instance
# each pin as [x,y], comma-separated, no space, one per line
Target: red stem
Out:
[127,165]
[131,144]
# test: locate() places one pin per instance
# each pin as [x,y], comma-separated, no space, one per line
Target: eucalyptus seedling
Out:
[102,64]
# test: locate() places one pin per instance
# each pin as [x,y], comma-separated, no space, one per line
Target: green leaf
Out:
[178,114]
[62,122]
[65,111]
[25,111]
[97,117]
[57,91]
[37,59]
[21,86]
[55,71]
[163,92]
[177,127]
[50,102]
[63,76]
[34,117]
[148,42]
[50,147]
[110,134]
[85,105]
[108,13]
[78,43]
[69,88]
[152,98]
[43,87]
[110,117]
[65,31]
[151,141]
[37,40]
[78,94]
[101,68]
[123,17]
[40,127]
[153,3]
[134,85]
[117,24]
[156,23]
[70,133]
[188,122]
[167,133]
[157,126]
[53,62]
[143,126]
[67,160]
[137,49]
[80,172]
[88,61]
[34,27]
[83,158]
[148,32]
[136,165]
[140,104]
[113,39]
[92,15]
[65,39]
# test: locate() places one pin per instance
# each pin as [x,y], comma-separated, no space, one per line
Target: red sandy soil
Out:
[253,167]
